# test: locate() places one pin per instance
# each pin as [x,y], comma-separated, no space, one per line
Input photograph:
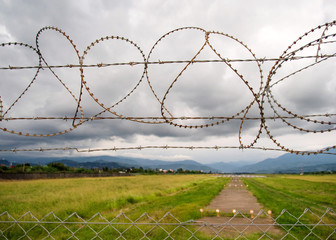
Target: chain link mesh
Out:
[263,225]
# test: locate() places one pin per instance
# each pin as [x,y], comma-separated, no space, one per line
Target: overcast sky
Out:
[267,28]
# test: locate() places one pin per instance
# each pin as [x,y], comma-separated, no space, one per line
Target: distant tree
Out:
[3,168]
[59,166]
[82,170]
[105,169]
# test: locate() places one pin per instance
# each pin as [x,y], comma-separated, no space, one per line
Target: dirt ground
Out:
[236,196]
[229,227]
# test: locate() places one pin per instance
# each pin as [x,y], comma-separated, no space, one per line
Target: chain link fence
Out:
[263,225]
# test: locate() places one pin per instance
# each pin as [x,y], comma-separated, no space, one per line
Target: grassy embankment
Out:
[296,193]
[181,195]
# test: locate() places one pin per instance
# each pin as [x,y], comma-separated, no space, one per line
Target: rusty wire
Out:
[260,95]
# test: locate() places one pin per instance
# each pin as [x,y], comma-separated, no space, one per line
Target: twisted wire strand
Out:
[134,63]
[149,56]
[108,109]
[289,52]
[65,118]
[260,96]
[79,108]
[163,147]
[3,114]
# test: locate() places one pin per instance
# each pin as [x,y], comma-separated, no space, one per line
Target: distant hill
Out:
[4,162]
[187,165]
[315,168]
[286,163]
[227,167]
[89,165]
[291,163]
[111,162]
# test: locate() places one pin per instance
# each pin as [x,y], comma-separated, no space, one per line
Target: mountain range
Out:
[110,162]
[291,163]
[286,163]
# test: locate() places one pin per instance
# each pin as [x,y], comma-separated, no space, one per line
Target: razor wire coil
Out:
[260,95]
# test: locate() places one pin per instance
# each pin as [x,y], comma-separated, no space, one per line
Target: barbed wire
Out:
[162,147]
[102,65]
[263,93]
[65,118]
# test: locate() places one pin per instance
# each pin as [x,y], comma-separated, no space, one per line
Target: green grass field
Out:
[109,195]
[330,178]
[295,194]
[181,195]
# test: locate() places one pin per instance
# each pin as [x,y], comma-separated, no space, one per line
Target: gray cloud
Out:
[207,89]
